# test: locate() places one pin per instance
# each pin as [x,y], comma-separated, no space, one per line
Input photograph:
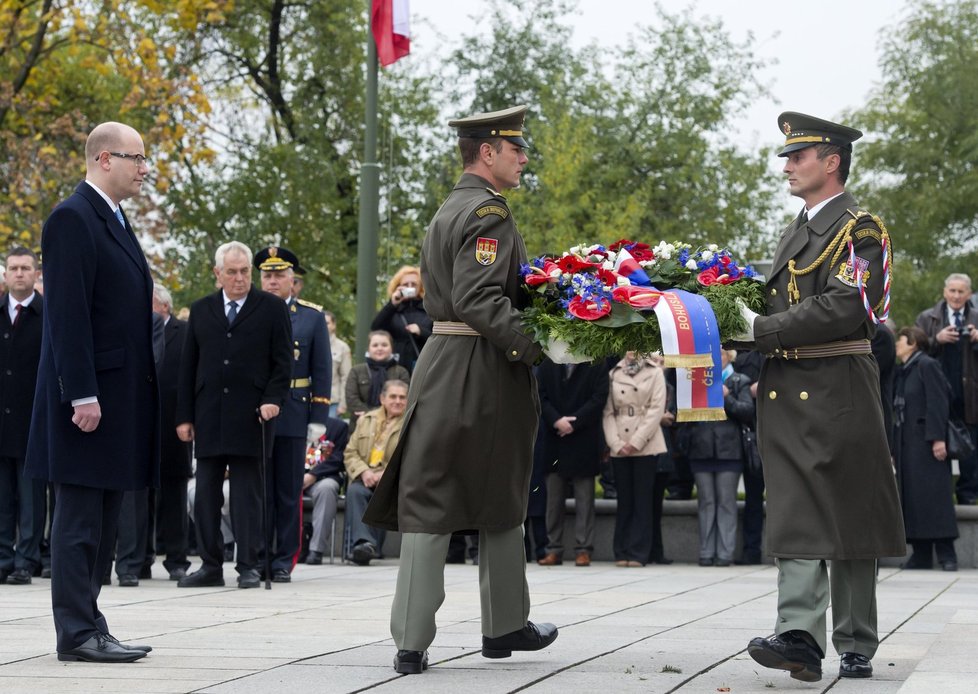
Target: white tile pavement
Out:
[677,628]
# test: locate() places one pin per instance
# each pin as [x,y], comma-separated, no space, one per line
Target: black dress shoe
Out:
[706,562]
[532,637]
[146,572]
[665,561]
[915,562]
[855,665]
[19,577]
[178,573]
[788,651]
[129,646]
[202,578]
[411,662]
[128,580]
[99,649]
[249,578]
[46,572]
[314,558]
[748,560]
[946,565]
[363,552]
[281,576]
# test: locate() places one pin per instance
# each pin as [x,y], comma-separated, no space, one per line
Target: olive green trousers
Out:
[804,589]
[420,591]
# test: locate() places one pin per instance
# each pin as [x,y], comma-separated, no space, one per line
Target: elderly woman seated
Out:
[367,454]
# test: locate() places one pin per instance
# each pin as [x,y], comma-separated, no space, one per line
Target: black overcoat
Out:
[20,351]
[227,372]
[174,453]
[583,395]
[98,341]
[921,404]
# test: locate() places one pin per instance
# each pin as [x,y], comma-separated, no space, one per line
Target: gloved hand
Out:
[749,316]
[313,431]
[559,352]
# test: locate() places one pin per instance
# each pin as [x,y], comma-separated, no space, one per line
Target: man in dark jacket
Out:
[572,399]
[95,426]
[830,487]
[21,496]
[950,327]
[464,460]
[234,376]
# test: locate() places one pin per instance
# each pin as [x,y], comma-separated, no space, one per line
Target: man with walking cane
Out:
[237,360]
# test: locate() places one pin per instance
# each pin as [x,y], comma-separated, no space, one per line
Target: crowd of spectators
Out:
[602,424]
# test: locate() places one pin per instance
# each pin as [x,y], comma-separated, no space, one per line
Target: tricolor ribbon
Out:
[691,343]
[886,281]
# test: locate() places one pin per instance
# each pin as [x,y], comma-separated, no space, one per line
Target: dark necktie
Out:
[18,308]
[804,217]
[957,319]
[232,311]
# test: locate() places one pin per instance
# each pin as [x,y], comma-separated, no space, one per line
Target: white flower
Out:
[713,247]
[623,281]
[612,255]
[706,255]
[576,250]
[691,264]
[555,273]
[607,265]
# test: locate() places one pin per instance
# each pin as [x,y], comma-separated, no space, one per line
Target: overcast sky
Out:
[824,66]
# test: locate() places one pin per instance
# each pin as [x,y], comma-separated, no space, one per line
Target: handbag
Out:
[959,443]
[752,456]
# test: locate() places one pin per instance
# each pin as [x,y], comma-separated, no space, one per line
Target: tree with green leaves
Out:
[919,166]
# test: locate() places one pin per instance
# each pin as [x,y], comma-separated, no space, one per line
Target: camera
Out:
[408,292]
[963,330]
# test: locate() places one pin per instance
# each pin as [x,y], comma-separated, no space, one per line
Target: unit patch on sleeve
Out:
[485,250]
[492,209]
[848,276]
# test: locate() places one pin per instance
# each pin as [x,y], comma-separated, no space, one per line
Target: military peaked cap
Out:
[507,124]
[801,131]
[277,258]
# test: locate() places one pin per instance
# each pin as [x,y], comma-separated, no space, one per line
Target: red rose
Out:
[585,309]
[712,275]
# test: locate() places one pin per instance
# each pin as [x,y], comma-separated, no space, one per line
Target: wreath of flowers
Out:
[600,299]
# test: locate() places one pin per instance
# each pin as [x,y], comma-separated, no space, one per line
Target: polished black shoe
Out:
[19,577]
[532,637]
[314,558]
[946,565]
[788,651]
[202,578]
[748,559]
[363,552]
[855,665]
[706,562]
[128,580]
[249,578]
[178,573]
[99,649]
[914,562]
[721,562]
[281,576]
[130,646]
[411,662]
[665,561]
[46,572]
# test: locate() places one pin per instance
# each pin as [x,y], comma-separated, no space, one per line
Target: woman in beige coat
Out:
[632,417]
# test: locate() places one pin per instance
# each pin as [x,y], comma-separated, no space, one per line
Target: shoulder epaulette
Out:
[495,193]
[309,304]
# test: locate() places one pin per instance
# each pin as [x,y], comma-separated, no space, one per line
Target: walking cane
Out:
[263,473]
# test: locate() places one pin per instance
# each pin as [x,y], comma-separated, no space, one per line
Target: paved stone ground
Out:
[678,628]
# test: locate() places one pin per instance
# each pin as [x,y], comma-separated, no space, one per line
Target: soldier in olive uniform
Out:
[304,412]
[466,448]
[831,490]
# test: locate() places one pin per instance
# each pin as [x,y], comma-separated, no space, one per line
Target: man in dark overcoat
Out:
[304,414]
[21,496]
[95,428]
[465,455]
[234,375]
[831,494]
[175,467]
[950,327]
[572,400]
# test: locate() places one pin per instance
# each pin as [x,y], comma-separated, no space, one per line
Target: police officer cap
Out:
[277,258]
[507,124]
[801,131]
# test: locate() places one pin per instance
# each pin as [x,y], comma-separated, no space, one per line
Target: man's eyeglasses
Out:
[138,158]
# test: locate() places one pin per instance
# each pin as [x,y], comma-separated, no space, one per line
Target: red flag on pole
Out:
[389,20]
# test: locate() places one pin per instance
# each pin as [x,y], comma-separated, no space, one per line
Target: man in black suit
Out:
[171,501]
[236,367]
[95,426]
[21,496]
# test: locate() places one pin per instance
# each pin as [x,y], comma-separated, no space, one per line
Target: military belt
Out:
[452,327]
[829,349]
[301,382]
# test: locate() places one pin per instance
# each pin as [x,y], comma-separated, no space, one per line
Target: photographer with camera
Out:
[404,317]
[950,326]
